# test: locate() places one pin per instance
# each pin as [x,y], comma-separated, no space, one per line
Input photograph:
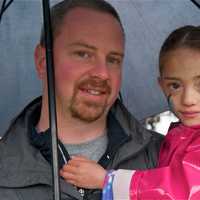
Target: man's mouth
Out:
[95,92]
[95,88]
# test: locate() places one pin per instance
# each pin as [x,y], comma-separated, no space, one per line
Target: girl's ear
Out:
[40,61]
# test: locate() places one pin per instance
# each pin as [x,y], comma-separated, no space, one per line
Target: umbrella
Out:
[146,23]
[145,75]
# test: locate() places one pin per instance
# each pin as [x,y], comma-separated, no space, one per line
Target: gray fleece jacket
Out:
[26,175]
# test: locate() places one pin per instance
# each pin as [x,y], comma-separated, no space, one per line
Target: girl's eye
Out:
[197,85]
[173,87]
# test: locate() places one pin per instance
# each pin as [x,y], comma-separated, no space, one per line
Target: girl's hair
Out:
[183,37]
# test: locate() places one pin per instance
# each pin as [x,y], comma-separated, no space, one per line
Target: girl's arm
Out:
[179,180]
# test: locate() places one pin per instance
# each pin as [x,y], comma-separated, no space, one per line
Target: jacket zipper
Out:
[80,190]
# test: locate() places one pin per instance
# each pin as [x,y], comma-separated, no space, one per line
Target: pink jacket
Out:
[178,174]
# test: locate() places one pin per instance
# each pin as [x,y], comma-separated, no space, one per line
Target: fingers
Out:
[80,158]
[72,175]
[78,162]
[69,177]
[66,175]
[69,174]
[71,168]
[68,171]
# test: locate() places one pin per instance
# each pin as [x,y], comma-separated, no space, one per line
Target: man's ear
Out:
[40,61]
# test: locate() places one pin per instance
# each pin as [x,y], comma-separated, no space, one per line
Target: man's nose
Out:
[100,69]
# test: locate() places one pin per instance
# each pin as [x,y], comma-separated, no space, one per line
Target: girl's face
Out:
[180,80]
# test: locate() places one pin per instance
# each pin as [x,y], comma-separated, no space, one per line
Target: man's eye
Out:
[82,54]
[114,61]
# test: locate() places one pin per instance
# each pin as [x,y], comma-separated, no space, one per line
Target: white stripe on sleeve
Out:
[121,184]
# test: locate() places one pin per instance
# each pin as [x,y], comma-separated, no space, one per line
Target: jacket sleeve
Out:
[179,180]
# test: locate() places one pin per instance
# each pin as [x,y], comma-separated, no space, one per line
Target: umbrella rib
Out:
[196,3]
[4,7]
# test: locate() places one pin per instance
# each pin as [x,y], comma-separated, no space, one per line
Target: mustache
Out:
[96,83]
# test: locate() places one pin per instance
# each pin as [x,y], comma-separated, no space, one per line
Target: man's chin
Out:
[88,113]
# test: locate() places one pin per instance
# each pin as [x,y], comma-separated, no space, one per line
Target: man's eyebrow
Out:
[82,44]
[114,53]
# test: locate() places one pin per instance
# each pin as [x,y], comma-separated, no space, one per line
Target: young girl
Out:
[177,175]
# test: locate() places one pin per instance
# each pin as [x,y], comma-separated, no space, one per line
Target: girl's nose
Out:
[190,97]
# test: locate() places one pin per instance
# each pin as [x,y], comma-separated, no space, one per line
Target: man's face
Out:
[88,54]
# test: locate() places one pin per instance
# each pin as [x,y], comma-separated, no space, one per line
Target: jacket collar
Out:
[140,137]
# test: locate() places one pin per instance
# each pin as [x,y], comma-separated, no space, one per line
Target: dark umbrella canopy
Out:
[146,22]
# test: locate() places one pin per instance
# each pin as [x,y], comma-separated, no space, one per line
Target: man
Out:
[88,55]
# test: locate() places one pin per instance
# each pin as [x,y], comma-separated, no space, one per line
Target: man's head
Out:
[88,53]
[60,10]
